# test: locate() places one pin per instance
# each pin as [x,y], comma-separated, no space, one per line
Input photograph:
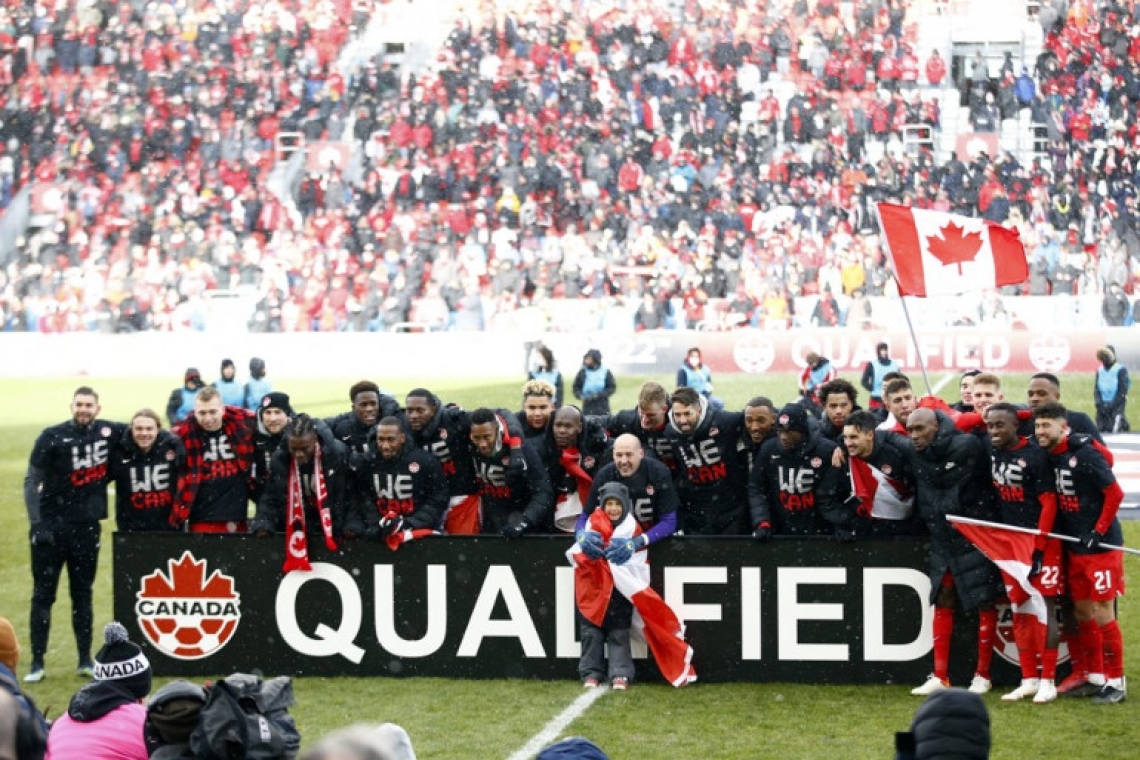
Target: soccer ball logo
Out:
[186,614]
[1006,647]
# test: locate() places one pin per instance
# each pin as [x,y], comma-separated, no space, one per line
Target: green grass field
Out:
[452,719]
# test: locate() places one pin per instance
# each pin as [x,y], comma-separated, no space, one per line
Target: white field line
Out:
[558,724]
[942,383]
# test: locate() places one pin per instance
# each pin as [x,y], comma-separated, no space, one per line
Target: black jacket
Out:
[797,491]
[411,484]
[145,484]
[272,511]
[711,483]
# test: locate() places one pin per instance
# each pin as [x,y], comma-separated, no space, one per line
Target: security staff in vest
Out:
[694,374]
[1111,392]
[181,402]
[594,384]
[874,373]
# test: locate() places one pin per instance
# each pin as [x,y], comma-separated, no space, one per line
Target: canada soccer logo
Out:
[1004,644]
[186,614]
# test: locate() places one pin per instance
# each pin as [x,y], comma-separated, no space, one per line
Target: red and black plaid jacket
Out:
[238,426]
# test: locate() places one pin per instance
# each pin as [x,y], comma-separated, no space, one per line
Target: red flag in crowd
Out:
[1012,552]
[880,496]
[937,254]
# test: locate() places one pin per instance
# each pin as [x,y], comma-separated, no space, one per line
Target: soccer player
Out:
[145,466]
[951,477]
[515,491]
[538,408]
[65,494]
[875,372]
[1044,388]
[793,489]
[445,432]
[647,422]
[839,399]
[398,486]
[573,449]
[899,399]
[985,391]
[273,414]
[1023,480]
[759,427]
[965,402]
[651,489]
[214,497]
[1088,498]
[889,509]
[306,491]
[712,481]
[355,428]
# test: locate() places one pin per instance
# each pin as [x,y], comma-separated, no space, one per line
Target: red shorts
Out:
[1095,577]
[1051,580]
[464,516]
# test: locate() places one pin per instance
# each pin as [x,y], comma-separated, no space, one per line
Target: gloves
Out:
[763,532]
[1036,563]
[620,550]
[42,534]
[591,543]
[844,535]
[390,523]
[1090,539]
[517,529]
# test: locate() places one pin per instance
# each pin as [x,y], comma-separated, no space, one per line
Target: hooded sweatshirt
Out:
[103,722]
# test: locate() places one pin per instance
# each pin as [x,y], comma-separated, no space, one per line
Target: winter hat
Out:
[574,748]
[227,363]
[172,714]
[123,662]
[276,400]
[952,723]
[614,490]
[257,367]
[793,417]
[192,373]
[9,645]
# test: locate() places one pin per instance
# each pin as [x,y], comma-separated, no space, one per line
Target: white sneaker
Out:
[980,685]
[36,674]
[1046,693]
[933,684]
[1028,688]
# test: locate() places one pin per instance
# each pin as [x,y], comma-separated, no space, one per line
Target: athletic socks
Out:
[987,629]
[1113,649]
[1092,641]
[943,630]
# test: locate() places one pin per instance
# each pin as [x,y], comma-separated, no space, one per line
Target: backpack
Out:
[245,718]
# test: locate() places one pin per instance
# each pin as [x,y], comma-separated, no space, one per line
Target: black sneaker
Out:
[1109,695]
[1085,690]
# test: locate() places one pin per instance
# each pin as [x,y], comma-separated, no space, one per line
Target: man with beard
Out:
[354,428]
[1088,499]
[273,414]
[651,490]
[1045,388]
[888,508]
[398,487]
[711,479]
[647,422]
[512,483]
[838,399]
[759,428]
[1023,480]
[951,477]
[306,491]
[65,494]
[219,465]
[573,449]
[445,432]
[538,408]
[793,489]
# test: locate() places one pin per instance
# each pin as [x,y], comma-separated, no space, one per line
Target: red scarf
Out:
[297,543]
[571,461]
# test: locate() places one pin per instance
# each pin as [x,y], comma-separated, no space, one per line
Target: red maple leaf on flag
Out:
[954,247]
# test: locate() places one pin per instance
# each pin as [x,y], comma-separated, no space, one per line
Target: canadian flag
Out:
[1012,552]
[880,496]
[937,254]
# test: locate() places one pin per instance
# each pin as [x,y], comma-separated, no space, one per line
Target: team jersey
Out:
[1021,475]
[411,485]
[72,464]
[146,483]
[1081,476]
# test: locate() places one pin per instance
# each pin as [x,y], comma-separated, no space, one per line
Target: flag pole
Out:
[1033,531]
[914,340]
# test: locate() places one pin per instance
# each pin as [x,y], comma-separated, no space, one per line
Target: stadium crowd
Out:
[634,149]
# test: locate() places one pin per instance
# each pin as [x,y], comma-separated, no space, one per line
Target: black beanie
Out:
[227,363]
[275,400]
[122,662]
[952,723]
[793,417]
[172,714]
[257,367]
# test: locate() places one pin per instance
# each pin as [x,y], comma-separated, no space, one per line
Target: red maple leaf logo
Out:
[954,247]
[188,580]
